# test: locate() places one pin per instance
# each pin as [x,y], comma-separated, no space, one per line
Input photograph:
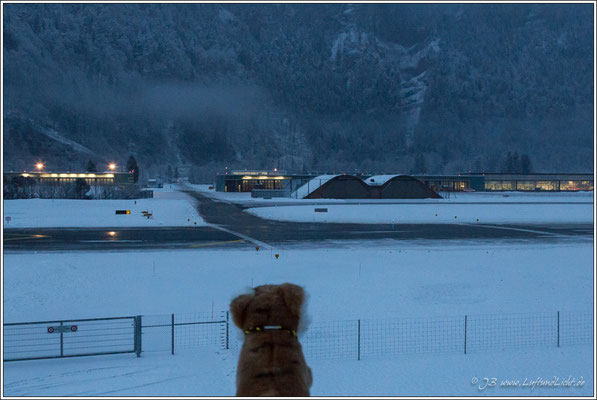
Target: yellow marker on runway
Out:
[217,243]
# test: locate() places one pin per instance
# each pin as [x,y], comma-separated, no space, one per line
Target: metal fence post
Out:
[465,326]
[558,329]
[359,340]
[137,334]
[173,334]
[227,329]
[61,340]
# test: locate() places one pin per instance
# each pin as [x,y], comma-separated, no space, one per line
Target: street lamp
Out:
[112,166]
[39,166]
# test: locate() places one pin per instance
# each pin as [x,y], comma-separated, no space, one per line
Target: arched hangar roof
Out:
[404,187]
[342,187]
[375,187]
[379,180]
[312,185]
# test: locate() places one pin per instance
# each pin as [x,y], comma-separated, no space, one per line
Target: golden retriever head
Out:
[269,305]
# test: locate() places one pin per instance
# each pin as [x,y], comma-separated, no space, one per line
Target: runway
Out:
[231,227]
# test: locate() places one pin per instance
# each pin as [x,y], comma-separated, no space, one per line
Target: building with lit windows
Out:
[247,181]
[114,179]
[537,182]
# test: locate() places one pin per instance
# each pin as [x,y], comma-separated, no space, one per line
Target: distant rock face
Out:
[299,86]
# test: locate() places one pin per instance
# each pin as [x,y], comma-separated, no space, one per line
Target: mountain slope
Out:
[299,86]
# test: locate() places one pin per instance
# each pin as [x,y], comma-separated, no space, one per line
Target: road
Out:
[233,228]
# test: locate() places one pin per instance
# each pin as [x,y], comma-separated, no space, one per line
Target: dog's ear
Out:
[293,296]
[238,308]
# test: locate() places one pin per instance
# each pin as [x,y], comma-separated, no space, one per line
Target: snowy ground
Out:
[401,279]
[389,278]
[432,213]
[345,280]
[168,208]
[194,374]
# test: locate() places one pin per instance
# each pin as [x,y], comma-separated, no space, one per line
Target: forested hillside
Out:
[301,87]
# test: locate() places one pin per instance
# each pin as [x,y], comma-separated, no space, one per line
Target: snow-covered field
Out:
[168,208]
[401,279]
[381,279]
[212,373]
[345,280]
[432,213]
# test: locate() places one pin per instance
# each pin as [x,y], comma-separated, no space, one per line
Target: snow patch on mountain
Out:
[351,42]
[59,138]
[414,82]
[51,133]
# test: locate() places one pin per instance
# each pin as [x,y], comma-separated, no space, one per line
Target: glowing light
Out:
[109,175]
[73,175]
[63,175]
[111,233]
[112,166]
[91,175]
[249,173]
[54,175]
[39,165]
[25,175]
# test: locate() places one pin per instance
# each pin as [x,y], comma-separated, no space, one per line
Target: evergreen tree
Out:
[176,173]
[169,173]
[516,166]
[525,164]
[131,166]
[81,187]
[91,167]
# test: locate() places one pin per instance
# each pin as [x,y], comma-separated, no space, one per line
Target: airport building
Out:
[537,182]
[394,185]
[117,179]
[247,181]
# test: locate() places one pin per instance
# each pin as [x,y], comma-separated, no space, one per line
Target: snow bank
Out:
[432,213]
[167,209]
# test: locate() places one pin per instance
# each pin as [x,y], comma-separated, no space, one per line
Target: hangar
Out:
[375,187]
[399,187]
[334,187]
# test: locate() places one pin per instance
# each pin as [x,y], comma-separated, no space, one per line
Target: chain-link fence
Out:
[348,339]
[386,338]
[174,332]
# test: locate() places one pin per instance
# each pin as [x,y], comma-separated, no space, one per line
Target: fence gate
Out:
[71,338]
